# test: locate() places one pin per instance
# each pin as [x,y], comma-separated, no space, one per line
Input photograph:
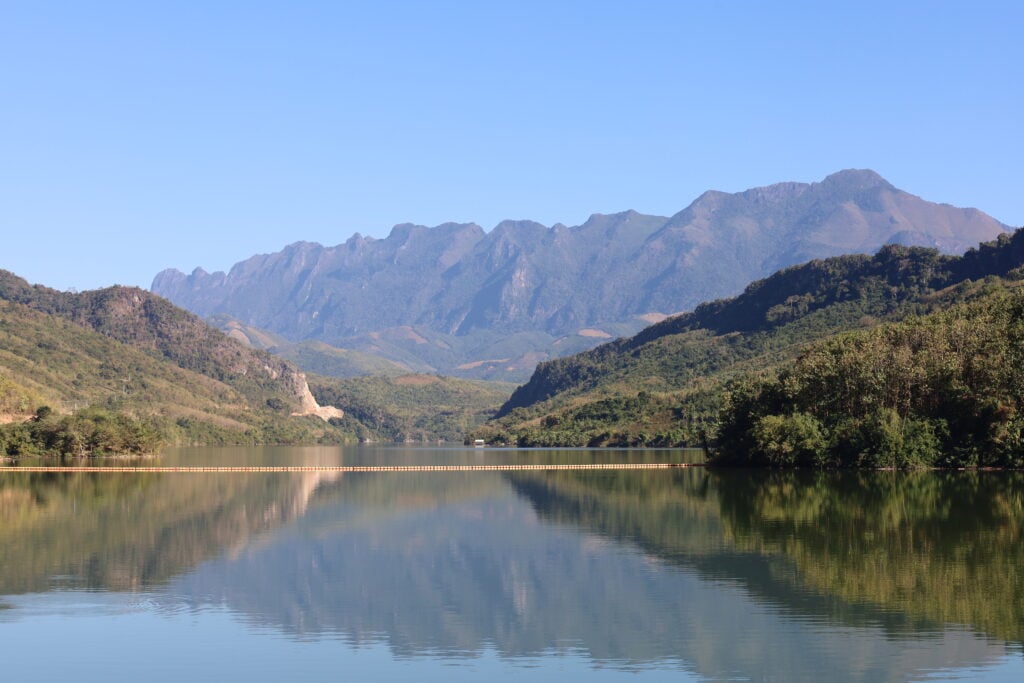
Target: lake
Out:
[679,574]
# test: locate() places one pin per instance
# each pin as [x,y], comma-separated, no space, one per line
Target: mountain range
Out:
[458,300]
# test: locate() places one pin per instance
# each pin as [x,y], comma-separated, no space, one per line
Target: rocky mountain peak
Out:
[523,278]
[855,180]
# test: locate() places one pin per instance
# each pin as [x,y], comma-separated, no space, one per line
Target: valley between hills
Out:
[719,326]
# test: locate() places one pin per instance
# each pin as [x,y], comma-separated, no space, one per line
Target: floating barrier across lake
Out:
[215,469]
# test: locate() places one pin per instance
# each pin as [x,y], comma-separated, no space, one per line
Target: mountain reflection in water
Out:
[881,576]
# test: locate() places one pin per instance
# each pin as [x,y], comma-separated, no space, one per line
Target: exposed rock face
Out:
[309,404]
[523,277]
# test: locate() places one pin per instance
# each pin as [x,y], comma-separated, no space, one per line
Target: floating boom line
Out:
[214,469]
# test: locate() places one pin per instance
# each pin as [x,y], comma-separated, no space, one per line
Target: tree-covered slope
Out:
[665,385]
[96,359]
[945,389]
[154,325]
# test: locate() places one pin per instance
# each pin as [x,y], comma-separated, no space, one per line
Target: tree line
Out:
[87,433]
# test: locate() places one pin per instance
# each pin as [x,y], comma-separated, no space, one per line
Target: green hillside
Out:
[310,355]
[324,359]
[667,385]
[121,370]
[945,389]
[411,407]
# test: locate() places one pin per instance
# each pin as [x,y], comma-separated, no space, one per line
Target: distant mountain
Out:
[455,288]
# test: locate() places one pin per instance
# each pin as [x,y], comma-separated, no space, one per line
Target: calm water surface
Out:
[667,574]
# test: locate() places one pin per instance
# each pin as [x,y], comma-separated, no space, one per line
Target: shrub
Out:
[791,440]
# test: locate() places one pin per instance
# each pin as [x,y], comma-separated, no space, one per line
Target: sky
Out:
[138,136]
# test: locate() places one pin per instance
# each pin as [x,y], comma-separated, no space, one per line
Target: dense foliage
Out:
[945,389]
[92,432]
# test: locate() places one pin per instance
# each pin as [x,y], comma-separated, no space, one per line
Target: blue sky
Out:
[136,136]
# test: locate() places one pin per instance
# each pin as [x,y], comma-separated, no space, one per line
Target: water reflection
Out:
[941,546]
[853,577]
[134,531]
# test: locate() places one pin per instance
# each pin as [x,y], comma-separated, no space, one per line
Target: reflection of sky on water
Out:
[462,580]
[447,577]
[108,638]
[117,636]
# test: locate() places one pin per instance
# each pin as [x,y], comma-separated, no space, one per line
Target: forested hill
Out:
[144,321]
[666,384]
[878,283]
[939,390]
[125,352]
